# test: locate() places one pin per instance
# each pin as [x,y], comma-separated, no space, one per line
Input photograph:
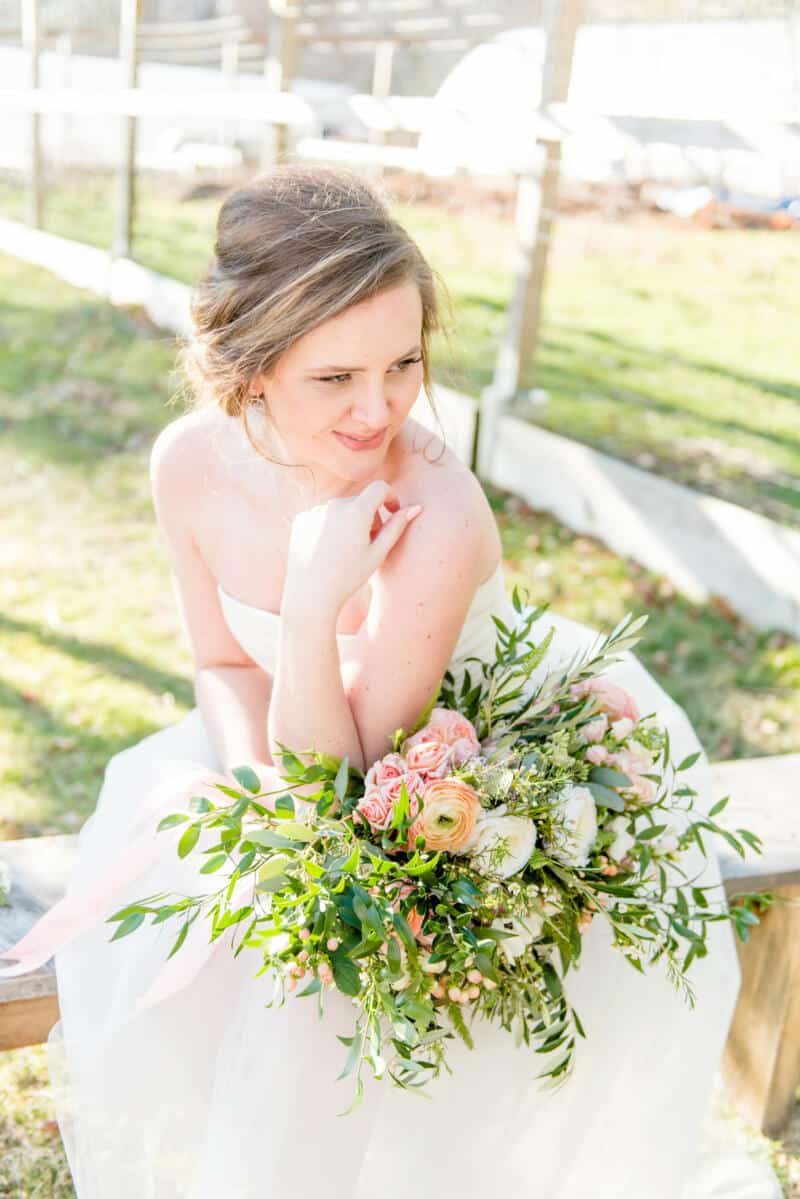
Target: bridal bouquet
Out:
[457,877]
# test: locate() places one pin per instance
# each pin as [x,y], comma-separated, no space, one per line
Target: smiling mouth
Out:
[372,439]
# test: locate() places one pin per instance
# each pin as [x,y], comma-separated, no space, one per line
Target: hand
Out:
[336,546]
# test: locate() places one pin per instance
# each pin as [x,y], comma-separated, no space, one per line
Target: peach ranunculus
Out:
[612,699]
[430,757]
[450,809]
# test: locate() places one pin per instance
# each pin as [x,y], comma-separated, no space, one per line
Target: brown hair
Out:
[293,248]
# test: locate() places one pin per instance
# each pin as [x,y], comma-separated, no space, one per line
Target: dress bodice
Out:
[256,629]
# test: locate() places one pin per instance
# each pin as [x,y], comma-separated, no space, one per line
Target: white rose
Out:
[623,840]
[518,832]
[577,813]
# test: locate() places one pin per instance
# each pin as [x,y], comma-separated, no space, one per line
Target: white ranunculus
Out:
[518,832]
[623,840]
[576,810]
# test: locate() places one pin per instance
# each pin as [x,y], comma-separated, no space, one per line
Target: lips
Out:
[361,443]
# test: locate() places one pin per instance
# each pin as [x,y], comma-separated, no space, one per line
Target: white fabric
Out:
[212,1095]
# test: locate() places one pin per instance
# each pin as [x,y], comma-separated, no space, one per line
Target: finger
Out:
[376,493]
[392,531]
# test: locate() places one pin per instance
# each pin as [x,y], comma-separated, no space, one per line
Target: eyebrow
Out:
[342,369]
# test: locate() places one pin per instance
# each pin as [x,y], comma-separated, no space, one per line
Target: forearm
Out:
[309,708]
[234,702]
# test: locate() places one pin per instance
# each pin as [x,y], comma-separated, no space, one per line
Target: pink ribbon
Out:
[81,910]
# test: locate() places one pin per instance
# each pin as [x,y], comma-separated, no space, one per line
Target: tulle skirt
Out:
[210,1093]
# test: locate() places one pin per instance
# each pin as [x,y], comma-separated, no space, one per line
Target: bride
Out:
[331,560]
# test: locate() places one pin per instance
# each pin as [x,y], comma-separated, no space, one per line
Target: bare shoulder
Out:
[455,502]
[182,459]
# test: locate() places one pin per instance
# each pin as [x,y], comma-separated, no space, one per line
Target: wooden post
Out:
[278,70]
[761,1064]
[31,36]
[535,211]
[128,53]
[381,88]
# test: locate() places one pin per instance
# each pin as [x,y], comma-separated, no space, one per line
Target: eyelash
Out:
[334,378]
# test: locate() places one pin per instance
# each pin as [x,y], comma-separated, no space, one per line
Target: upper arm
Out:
[177,478]
[420,598]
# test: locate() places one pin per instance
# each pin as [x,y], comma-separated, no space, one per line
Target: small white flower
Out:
[576,810]
[623,840]
[524,932]
[518,832]
[665,844]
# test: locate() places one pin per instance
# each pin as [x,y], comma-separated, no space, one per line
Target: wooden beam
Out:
[126,173]
[31,40]
[535,213]
[279,69]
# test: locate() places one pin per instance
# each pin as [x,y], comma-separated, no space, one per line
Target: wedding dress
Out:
[206,1093]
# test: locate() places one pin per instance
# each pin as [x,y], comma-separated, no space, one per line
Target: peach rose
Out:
[635,761]
[415,785]
[429,757]
[447,820]
[612,699]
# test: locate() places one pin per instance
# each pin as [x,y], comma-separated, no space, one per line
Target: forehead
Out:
[380,328]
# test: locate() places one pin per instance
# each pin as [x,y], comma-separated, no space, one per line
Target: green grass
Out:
[91,657]
[669,347]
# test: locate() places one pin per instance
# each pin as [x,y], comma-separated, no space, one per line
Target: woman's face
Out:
[356,376]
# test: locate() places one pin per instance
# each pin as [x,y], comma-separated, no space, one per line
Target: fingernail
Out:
[413,511]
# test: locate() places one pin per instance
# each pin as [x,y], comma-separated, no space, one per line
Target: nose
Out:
[371,408]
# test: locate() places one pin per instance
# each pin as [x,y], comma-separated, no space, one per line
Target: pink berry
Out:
[474,976]
[302,955]
[304,934]
[454,993]
[489,984]
[332,943]
[474,991]
[437,990]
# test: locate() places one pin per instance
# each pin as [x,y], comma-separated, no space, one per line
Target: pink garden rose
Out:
[388,767]
[597,755]
[595,730]
[635,761]
[377,803]
[454,727]
[375,808]
[612,699]
[430,757]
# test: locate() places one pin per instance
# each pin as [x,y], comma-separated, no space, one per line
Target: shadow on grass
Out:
[113,661]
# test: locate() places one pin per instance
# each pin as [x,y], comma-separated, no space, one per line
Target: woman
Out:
[331,561]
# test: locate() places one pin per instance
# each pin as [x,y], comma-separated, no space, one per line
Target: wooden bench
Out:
[761,1064]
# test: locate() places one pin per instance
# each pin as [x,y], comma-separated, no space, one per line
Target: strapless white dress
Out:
[209,1094]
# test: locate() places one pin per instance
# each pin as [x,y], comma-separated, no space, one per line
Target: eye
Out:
[336,379]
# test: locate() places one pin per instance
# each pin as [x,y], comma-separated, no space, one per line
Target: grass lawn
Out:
[669,347]
[91,657]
